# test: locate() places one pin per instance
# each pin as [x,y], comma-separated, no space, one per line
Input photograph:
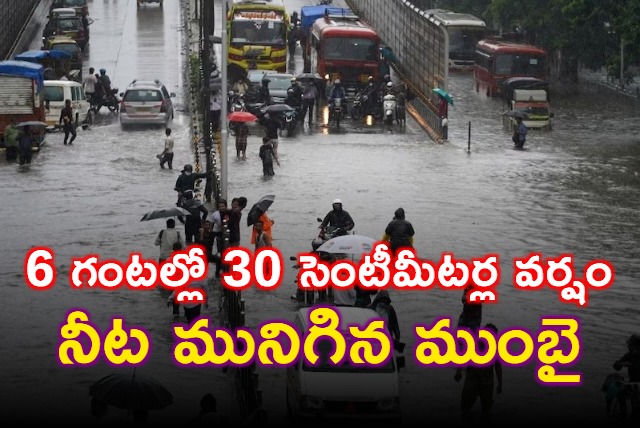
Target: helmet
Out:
[188,167]
[337,82]
[389,84]
[289,91]
[370,79]
[103,70]
[387,77]
[336,201]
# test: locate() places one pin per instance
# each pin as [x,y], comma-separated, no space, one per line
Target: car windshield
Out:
[54,93]
[282,82]
[324,364]
[142,95]
[74,3]
[69,24]
[70,48]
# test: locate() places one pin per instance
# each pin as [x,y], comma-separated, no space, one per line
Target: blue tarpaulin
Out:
[309,14]
[24,69]
[39,55]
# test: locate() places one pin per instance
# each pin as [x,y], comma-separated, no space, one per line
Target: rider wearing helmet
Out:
[187,181]
[337,91]
[337,218]
[106,82]
[291,99]
[264,96]
[631,360]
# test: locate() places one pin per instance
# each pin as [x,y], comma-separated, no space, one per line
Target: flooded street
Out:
[575,190]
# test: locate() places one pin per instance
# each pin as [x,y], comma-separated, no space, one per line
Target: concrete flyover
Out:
[22,23]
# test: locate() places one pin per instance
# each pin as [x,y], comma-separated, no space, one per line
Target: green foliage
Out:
[195,80]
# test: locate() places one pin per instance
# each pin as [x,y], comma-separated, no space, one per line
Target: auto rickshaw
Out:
[55,62]
[69,46]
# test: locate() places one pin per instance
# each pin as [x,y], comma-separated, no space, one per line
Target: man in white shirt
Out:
[167,154]
[90,82]
[167,238]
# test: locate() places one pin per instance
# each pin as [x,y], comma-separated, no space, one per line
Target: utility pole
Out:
[621,64]
[224,132]
[205,57]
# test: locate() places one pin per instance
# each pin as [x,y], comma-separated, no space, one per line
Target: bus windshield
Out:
[517,64]
[354,49]
[257,32]
[463,40]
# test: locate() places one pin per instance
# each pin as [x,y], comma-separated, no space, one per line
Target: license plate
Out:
[143,109]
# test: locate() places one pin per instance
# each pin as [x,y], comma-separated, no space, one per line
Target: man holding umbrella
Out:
[258,212]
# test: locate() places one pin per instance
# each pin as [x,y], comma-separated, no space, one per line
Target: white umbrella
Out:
[348,244]
[164,213]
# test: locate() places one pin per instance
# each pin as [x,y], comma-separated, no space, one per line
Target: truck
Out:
[21,95]
[528,98]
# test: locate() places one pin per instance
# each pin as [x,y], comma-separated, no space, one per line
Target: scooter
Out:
[290,121]
[389,104]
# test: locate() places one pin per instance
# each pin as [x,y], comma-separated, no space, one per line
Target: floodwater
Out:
[575,190]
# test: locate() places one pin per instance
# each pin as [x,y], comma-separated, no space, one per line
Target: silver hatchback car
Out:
[146,102]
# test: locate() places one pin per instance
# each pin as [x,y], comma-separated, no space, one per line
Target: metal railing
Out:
[14,16]
[420,48]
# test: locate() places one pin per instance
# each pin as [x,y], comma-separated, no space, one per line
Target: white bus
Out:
[464,32]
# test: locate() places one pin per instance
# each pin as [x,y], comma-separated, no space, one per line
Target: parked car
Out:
[66,22]
[278,85]
[141,2]
[56,92]
[79,5]
[146,102]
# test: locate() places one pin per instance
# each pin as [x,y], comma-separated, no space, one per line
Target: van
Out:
[55,94]
[343,391]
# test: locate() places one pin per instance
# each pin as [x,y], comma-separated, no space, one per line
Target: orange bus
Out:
[497,60]
[344,47]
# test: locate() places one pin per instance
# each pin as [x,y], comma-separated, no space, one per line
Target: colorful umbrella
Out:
[444,94]
[242,116]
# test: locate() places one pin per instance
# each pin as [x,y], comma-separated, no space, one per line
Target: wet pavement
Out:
[574,190]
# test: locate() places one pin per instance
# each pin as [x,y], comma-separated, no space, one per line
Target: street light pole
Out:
[224,132]
[621,64]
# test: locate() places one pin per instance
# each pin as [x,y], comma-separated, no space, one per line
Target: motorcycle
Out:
[336,112]
[109,100]
[363,105]
[308,298]
[290,121]
[389,104]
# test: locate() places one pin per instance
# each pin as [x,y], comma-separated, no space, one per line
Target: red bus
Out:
[497,60]
[344,47]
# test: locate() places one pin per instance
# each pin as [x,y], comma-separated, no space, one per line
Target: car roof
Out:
[61,83]
[281,76]
[64,11]
[145,84]
[348,315]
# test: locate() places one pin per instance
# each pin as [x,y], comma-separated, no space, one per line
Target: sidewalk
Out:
[630,92]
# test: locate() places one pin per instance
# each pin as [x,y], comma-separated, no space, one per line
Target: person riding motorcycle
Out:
[371,92]
[336,219]
[264,96]
[383,86]
[337,91]
[106,81]
[297,89]
[291,99]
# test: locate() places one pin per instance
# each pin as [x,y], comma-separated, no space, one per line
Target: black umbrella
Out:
[259,208]
[163,213]
[516,113]
[131,392]
[309,76]
[277,108]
